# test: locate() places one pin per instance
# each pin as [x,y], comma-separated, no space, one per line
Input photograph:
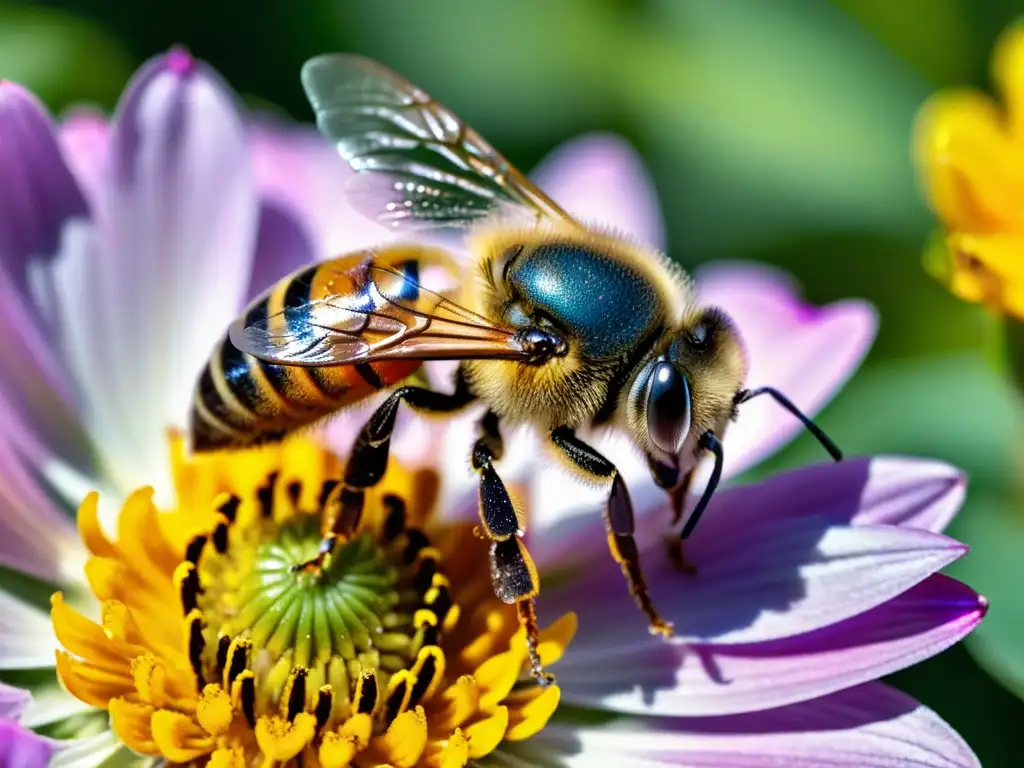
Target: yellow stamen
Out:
[212,650]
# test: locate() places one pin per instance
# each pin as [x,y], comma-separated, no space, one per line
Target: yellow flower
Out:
[212,650]
[970,150]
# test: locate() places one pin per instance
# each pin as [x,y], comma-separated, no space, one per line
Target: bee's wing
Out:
[418,163]
[360,311]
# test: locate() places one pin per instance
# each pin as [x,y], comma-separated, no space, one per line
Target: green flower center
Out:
[352,626]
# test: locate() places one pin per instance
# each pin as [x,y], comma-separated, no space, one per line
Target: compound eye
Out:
[668,407]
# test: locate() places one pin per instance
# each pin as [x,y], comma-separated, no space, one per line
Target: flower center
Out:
[215,649]
[360,636]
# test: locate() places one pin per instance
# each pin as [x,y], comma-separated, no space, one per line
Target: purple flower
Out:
[19,746]
[127,247]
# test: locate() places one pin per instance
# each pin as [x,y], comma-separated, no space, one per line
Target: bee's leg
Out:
[369,459]
[618,519]
[513,573]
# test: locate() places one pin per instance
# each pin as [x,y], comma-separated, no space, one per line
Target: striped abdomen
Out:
[241,400]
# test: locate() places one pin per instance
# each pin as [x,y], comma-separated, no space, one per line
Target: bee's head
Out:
[688,386]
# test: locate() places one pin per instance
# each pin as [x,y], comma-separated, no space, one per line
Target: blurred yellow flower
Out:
[970,150]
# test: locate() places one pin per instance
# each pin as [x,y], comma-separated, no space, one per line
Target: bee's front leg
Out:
[369,459]
[618,519]
[513,573]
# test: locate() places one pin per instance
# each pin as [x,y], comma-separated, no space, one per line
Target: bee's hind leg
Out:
[369,459]
[513,573]
[618,519]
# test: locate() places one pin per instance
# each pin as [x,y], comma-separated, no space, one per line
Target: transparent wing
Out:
[371,311]
[418,163]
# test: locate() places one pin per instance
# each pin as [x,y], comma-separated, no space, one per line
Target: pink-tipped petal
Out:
[21,748]
[711,679]
[147,296]
[84,136]
[870,726]
[600,179]
[774,559]
[298,168]
[807,352]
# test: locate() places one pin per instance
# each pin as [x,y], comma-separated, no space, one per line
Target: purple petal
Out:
[711,679]
[13,701]
[21,748]
[808,352]
[36,537]
[283,245]
[296,168]
[39,200]
[774,559]
[38,195]
[84,135]
[870,726]
[912,493]
[601,179]
[149,294]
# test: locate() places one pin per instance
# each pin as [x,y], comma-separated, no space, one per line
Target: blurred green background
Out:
[776,130]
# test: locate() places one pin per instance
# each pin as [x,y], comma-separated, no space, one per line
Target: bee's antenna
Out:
[748,394]
[709,442]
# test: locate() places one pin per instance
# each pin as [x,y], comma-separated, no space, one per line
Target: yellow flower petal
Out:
[90,683]
[988,269]
[460,701]
[1008,73]
[485,735]
[131,722]
[556,638]
[90,530]
[972,170]
[530,711]
[405,739]
[455,753]
[178,737]
[496,676]
[227,758]
[283,740]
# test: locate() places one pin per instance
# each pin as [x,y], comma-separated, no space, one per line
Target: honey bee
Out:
[559,325]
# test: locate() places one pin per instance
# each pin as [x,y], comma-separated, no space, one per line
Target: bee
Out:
[557,324]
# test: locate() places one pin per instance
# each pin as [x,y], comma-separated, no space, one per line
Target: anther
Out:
[238,660]
[426,672]
[425,575]
[229,508]
[416,540]
[394,519]
[295,693]
[324,705]
[222,654]
[366,693]
[398,696]
[220,537]
[189,590]
[247,695]
[195,549]
[196,644]
[265,495]
[439,600]
[294,491]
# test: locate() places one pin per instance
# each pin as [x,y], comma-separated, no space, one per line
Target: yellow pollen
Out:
[214,650]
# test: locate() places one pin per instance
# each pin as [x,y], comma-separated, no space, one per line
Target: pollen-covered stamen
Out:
[360,636]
